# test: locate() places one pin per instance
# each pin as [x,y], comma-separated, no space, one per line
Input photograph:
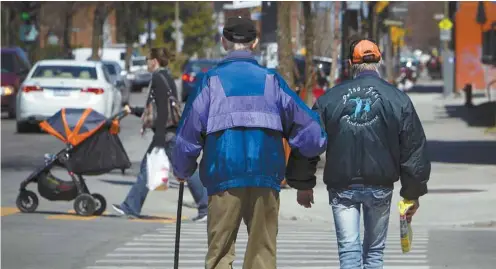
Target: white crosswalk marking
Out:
[297,248]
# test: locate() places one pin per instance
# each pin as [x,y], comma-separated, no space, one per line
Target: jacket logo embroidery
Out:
[359,105]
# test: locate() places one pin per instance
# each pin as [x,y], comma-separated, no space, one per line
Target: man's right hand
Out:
[412,210]
[128,109]
[305,198]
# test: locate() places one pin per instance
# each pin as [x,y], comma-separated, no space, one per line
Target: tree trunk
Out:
[97,33]
[284,45]
[67,35]
[335,44]
[101,12]
[6,26]
[309,38]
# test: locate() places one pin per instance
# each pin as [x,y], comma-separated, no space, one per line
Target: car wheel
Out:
[23,127]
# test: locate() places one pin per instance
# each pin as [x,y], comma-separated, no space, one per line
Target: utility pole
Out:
[447,55]
[149,15]
[177,25]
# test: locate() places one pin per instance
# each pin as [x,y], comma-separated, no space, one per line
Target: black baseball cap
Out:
[239,30]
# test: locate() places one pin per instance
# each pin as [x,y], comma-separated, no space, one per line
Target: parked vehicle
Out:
[15,66]
[55,84]
[193,72]
[138,74]
[119,81]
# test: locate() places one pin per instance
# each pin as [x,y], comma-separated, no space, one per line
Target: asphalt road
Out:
[54,238]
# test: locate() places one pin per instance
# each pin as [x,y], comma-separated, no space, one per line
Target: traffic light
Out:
[25,16]
[489,45]
[27,30]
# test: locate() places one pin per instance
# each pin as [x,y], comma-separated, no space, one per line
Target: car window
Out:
[200,67]
[111,69]
[138,62]
[21,64]
[24,59]
[106,74]
[54,71]
[8,63]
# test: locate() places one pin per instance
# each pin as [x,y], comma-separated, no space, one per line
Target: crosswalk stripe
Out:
[278,267]
[285,256]
[237,262]
[297,249]
[307,248]
[157,241]
[195,230]
[280,238]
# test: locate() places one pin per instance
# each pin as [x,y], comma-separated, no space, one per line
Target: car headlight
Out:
[130,76]
[7,90]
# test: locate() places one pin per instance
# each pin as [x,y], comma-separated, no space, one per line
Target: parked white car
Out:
[55,84]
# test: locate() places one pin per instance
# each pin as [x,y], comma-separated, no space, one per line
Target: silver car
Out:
[119,81]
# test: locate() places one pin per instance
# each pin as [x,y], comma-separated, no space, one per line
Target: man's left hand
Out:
[305,198]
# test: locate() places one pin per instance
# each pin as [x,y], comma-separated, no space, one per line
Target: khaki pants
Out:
[259,208]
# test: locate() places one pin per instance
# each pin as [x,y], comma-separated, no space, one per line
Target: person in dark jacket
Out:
[164,136]
[238,117]
[375,137]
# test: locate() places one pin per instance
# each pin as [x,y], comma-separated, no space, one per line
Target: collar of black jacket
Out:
[367,73]
[239,55]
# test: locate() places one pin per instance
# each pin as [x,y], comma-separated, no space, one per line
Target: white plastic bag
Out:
[157,165]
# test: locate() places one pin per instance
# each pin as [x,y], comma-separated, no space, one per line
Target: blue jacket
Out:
[238,116]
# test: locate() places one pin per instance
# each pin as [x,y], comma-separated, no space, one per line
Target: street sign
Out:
[445,24]
[53,40]
[393,23]
[353,5]
[28,33]
[380,6]
[177,24]
[438,16]
[445,35]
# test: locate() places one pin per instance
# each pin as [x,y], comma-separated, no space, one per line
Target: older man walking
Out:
[375,137]
[238,117]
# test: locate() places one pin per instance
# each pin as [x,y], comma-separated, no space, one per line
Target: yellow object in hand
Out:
[406,233]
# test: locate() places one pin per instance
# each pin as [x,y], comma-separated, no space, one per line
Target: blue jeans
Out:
[137,195]
[346,204]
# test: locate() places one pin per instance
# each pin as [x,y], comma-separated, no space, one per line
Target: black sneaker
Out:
[200,218]
[118,209]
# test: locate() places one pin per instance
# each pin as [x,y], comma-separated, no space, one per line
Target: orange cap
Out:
[366,51]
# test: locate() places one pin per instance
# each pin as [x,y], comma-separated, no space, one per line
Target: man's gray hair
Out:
[231,46]
[358,68]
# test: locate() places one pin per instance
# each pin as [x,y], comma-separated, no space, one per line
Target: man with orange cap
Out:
[375,137]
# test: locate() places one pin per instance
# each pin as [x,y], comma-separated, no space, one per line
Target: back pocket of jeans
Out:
[339,196]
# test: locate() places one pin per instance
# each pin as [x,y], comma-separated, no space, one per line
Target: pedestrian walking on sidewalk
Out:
[375,138]
[164,136]
[238,117]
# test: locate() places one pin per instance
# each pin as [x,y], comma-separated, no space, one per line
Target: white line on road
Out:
[279,267]
[203,230]
[169,261]
[280,240]
[299,250]
[317,256]
[299,245]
